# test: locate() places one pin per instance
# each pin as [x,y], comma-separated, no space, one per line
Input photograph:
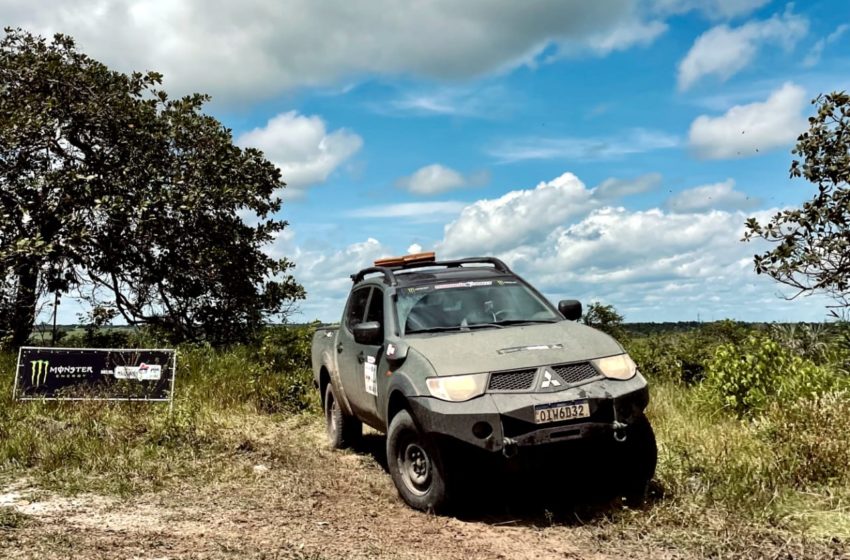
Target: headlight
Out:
[457,387]
[616,367]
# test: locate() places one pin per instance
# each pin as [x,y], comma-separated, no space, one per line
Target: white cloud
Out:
[706,197]
[512,219]
[256,48]
[481,101]
[630,142]
[634,33]
[745,130]
[419,211]
[814,54]
[436,178]
[723,51]
[302,148]
[653,265]
[614,188]
[713,9]
[325,276]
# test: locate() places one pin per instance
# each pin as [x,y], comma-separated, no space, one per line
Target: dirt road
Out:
[285,495]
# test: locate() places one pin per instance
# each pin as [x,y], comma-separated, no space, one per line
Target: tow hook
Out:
[620,431]
[510,449]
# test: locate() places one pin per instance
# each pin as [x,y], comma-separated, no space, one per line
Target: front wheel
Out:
[343,430]
[416,465]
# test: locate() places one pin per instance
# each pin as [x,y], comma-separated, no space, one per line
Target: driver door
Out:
[359,363]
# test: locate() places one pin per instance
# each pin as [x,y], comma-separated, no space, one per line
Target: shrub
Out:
[656,357]
[683,356]
[747,376]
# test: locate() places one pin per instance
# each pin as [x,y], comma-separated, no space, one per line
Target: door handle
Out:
[339,348]
[361,357]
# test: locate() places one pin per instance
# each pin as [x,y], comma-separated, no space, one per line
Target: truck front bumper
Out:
[505,421]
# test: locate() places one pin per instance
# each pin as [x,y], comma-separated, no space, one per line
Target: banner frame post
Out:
[17,374]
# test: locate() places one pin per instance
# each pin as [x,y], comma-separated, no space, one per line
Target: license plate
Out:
[559,412]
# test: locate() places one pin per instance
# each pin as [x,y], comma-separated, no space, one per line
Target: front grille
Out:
[519,380]
[574,373]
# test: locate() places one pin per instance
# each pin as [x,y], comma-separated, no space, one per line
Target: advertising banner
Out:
[95,374]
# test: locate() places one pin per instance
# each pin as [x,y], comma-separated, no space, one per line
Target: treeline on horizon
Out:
[632,327]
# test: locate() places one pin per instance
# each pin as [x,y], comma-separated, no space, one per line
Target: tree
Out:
[812,243]
[131,199]
[604,318]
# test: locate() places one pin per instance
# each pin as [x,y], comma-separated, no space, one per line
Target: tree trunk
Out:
[23,313]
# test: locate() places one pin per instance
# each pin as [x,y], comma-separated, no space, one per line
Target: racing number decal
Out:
[370,376]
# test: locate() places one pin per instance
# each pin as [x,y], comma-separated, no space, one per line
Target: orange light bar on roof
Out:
[407,259]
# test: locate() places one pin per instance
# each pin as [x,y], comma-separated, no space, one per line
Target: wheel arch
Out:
[324,381]
[396,403]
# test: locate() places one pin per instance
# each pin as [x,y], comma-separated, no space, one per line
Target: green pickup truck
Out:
[449,357]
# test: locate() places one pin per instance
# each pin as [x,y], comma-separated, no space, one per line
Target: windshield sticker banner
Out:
[80,373]
[472,284]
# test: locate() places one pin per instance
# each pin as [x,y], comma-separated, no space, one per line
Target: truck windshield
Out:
[470,305]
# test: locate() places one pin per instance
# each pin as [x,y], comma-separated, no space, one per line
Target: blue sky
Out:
[608,151]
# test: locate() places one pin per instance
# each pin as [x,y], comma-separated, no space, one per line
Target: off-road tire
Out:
[639,455]
[343,430]
[416,465]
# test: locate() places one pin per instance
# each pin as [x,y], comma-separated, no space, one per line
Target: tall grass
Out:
[130,447]
[784,462]
[760,434]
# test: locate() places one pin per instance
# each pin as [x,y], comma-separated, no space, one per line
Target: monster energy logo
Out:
[39,372]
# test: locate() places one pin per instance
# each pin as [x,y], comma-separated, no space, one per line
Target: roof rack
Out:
[390,279]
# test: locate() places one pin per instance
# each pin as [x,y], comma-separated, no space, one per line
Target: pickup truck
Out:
[464,355]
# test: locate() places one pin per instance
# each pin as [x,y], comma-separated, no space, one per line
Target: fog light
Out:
[482,430]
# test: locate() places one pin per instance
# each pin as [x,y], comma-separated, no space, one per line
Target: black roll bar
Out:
[390,279]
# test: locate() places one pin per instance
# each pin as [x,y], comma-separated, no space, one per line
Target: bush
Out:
[656,357]
[683,356]
[746,377]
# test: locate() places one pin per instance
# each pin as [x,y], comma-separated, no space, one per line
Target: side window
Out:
[357,307]
[376,308]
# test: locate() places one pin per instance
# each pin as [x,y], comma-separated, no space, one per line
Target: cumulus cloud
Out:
[257,48]
[516,217]
[614,244]
[627,143]
[302,148]
[814,54]
[713,9]
[745,130]
[717,195]
[653,265]
[436,178]
[723,51]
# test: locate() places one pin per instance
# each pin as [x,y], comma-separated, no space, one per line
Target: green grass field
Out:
[778,470]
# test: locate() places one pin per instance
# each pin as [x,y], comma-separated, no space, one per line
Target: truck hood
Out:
[513,347]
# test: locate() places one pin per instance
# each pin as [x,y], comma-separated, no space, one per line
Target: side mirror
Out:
[369,333]
[570,309]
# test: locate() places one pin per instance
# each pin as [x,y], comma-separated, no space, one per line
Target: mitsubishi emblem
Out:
[549,380]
